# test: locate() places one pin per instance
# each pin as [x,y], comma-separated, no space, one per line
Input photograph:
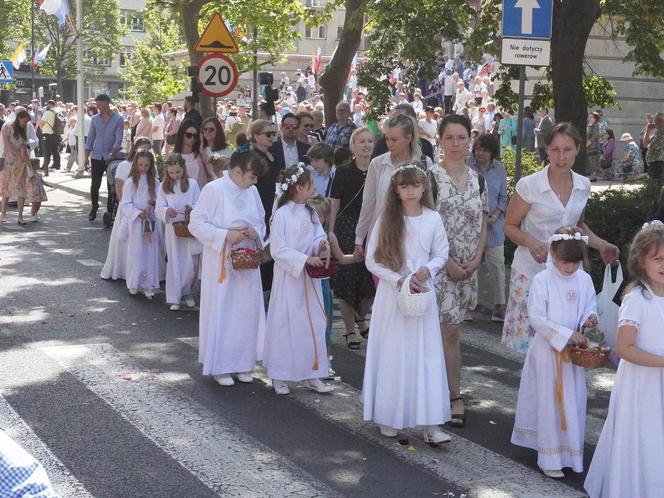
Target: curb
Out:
[70,190]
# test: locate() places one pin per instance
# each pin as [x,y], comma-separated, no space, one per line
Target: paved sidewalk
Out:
[62,180]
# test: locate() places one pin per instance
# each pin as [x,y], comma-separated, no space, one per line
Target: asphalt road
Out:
[105,390]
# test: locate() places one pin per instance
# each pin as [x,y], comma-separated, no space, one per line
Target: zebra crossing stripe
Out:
[459,462]
[64,483]
[217,453]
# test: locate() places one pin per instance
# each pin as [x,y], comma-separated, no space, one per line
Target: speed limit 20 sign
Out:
[218,75]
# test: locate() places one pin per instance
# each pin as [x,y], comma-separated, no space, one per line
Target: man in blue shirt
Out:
[103,145]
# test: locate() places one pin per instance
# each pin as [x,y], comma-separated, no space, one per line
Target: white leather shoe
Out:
[175,307]
[190,302]
[133,292]
[553,474]
[388,431]
[280,387]
[224,380]
[148,293]
[434,435]
[318,385]
[245,377]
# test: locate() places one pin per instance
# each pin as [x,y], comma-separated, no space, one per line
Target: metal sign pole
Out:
[519,122]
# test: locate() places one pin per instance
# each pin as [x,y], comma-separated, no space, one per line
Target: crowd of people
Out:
[239,211]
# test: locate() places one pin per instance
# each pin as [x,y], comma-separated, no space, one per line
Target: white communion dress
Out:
[405,383]
[557,304]
[629,457]
[232,316]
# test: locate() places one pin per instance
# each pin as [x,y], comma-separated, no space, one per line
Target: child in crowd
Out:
[229,214]
[138,200]
[321,156]
[323,209]
[36,193]
[126,138]
[176,198]
[551,407]
[630,451]
[115,266]
[295,339]
[405,384]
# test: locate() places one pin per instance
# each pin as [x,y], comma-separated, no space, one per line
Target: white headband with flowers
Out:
[292,180]
[652,224]
[565,236]
[403,168]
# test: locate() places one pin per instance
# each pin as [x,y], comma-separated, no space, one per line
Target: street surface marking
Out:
[199,439]
[62,480]
[458,461]
[89,262]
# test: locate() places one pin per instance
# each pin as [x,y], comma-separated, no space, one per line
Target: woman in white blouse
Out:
[403,144]
[542,203]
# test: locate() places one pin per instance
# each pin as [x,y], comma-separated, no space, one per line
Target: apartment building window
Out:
[315,33]
[93,60]
[314,4]
[125,56]
[133,19]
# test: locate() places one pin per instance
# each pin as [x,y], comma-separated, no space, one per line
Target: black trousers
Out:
[98,167]
[51,148]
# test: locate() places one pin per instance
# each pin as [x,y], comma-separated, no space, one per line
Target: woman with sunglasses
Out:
[188,144]
[213,145]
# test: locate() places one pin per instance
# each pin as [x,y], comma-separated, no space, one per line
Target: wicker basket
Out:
[326,271]
[181,228]
[589,357]
[413,304]
[246,258]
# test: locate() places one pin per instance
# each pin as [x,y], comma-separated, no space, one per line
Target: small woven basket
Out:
[246,258]
[413,304]
[326,271]
[589,357]
[181,228]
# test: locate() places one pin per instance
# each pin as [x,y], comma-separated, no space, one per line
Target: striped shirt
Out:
[495,179]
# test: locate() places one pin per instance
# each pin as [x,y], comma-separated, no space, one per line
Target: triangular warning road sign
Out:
[216,38]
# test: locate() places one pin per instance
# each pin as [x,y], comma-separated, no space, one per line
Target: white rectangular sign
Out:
[524,52]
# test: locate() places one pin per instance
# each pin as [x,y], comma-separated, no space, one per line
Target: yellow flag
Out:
[18,56]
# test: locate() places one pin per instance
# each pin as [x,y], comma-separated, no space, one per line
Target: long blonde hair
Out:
[168,185]
[390,249]
[151,173]
[647,241]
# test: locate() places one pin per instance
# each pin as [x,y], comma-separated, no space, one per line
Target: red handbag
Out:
[326,271]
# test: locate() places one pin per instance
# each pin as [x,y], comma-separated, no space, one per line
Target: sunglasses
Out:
[290,126]
[269,134]
[210,129]
[189,135]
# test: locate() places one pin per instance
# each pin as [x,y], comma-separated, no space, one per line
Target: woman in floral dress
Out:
[463,207]
[12,181]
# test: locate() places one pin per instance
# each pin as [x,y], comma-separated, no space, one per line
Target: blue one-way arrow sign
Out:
[527,18]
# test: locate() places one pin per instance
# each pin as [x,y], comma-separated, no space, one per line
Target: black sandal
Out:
[364,332]
[458,419]
[351,344]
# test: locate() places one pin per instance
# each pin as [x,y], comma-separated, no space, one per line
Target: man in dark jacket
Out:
[288,150]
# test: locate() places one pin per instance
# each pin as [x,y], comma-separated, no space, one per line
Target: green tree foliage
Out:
[276,24]
[406,34]
[151,77]
[13,13]
[102,33]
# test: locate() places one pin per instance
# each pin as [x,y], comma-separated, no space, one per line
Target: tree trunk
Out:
[333,79]
[190,14]
[572,23]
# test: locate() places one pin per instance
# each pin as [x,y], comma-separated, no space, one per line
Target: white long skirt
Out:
[182,266]
[537,421]
[629,457]
[405,383]
[115,266]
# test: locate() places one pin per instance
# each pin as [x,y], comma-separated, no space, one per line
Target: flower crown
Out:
[565,236]
[403,168]
[282,186]
[652,224]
